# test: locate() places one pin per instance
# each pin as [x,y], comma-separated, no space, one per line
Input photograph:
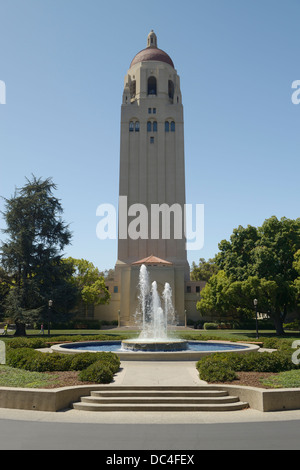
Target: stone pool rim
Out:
[188,355]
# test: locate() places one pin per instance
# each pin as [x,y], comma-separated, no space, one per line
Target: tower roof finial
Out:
[152,39]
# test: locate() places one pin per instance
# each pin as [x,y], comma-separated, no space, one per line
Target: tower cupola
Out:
[152,39]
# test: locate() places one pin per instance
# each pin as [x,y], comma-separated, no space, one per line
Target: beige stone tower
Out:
[152,173]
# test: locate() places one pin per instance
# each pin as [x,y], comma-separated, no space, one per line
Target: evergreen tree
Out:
[32,252]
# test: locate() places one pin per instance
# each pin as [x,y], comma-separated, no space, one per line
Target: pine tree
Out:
[32,252]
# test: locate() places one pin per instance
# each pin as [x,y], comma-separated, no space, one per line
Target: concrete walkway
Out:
[158,373]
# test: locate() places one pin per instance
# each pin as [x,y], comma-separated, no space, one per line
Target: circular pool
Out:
[194,350]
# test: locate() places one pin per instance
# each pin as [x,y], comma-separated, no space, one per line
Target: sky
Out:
[63,63]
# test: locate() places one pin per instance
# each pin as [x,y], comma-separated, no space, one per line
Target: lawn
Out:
[10,377]
[289,379]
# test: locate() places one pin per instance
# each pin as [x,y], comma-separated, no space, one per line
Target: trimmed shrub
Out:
[99,372]
[222,365]
[216,372]
[19,358]
[36,361]
[49,362]
[210,326]
[81,361]
[34,343]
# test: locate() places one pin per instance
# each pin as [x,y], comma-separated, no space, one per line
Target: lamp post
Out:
[50,303]
[255,301]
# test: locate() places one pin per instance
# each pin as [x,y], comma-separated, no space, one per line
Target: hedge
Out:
[99,372]
[223,367]
[37,361]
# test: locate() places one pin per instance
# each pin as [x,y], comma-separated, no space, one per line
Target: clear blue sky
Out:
[64,62]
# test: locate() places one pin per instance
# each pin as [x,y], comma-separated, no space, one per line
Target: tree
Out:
[297,281]
[214,299]
[204,271]
[32,252]
[267,253]
[89,282]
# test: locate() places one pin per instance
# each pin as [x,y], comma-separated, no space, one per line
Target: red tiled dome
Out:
[152,53]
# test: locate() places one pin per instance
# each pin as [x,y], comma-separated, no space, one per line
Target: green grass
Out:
[289,379]
[18,378]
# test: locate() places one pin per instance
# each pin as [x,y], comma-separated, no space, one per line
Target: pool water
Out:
[116,346]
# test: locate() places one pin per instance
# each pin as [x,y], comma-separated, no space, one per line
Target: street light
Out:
[50,303]
[255,301]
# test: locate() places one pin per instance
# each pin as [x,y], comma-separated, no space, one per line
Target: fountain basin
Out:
[194,352]
[159,345]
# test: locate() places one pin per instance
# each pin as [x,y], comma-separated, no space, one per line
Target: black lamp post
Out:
[50,303]
[255,301]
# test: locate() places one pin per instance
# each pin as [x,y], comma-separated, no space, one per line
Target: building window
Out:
[131,126]
[172,126]
[152,86]
[188,289]
[154,110]
[155,126]
[149,110]
[137,126]
[149,126]
[167,126]
[116,289]
[197,289]
[151,140]
[133,89]
[171,90]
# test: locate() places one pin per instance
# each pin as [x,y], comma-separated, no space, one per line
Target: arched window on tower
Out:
[154,126]
[152,86]
[172,126]
[167,126]
[137,126]
[171,90]
[131,126]
[149,126]
[133,89]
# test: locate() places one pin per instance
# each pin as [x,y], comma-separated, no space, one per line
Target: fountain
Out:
[157,317]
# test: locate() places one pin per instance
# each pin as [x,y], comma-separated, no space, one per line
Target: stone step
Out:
[160,407]
[159,393]
[162,400]
[172,388]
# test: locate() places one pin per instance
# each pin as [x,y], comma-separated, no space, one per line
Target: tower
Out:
[152,174]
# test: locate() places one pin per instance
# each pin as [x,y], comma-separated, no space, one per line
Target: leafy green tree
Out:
[297,281]
[89,282]
[204,271]
[214,300]
[267,253]
[32,252]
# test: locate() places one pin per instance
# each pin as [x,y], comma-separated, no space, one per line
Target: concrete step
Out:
[175,388]
[160,407]
[162,398]
[160,393]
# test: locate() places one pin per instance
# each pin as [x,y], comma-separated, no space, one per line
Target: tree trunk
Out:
[278,322]
[20,329]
